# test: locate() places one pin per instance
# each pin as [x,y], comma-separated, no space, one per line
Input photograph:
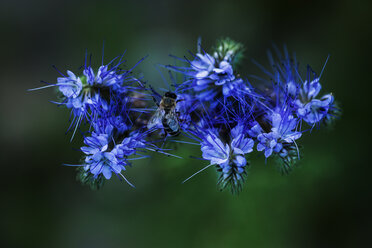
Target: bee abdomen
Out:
[169,130]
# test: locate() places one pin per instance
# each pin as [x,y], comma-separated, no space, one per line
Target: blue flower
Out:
[130,145]
[105,77]
[289,89]
[229,158]
[94,93]
[208,77]
[222,74]
[269,143]
[311,109]
[315,110]
[70,86]
[284,125]
[201,67]
[310,90]
[214,150]
[104,157]
[205,72]
[91,91]
[283,130]
[240,144]
[99,158]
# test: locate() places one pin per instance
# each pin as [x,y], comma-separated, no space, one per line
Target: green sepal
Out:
[286,164]
[87,178]
[234,180]
[229,50]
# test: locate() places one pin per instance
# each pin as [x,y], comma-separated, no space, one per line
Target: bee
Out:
[166,115]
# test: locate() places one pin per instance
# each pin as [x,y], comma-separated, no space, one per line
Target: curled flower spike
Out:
[100,159]
[213,76]
[229,158]
[104,156]
[90,95]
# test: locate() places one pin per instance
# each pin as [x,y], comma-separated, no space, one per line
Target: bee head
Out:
[171,95]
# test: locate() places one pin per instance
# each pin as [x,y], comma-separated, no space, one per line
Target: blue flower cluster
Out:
[110,103]
[228,116]
[236,117]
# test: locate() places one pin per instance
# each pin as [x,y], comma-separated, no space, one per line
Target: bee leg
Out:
[180,100]
[165,138]
[154,93]
[164,134]
[153,98]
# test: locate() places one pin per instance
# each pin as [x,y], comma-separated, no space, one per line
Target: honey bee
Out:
[166,115]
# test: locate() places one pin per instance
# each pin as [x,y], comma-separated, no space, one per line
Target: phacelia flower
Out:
[288,84]
[213,76]
[206,73]
[283,130]
[229,158]
[100,159]
[269,143]
[104,155]
[94,92]
[315,110]
[70,86]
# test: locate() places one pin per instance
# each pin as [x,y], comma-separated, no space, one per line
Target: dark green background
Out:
[323,203]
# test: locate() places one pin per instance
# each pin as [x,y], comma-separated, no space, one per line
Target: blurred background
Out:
[323,203]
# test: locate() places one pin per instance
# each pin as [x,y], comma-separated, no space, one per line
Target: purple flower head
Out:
[214,150]
[224,155]
[100,158]
[130,145]
[70,86]
[105,78]
[269,143]
[222,74]
[301,96]
[240,144]
[311,109]
[285,125]
[201,67]
[311,89]
[210,76]
[92,94]
[91,91]
[315,110]
[206,73]
[283,130]
[228,157]
[106,154]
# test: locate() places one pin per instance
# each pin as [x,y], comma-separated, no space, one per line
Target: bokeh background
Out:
[323,203]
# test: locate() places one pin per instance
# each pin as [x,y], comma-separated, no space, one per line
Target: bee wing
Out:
[172,121]
[155,120]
